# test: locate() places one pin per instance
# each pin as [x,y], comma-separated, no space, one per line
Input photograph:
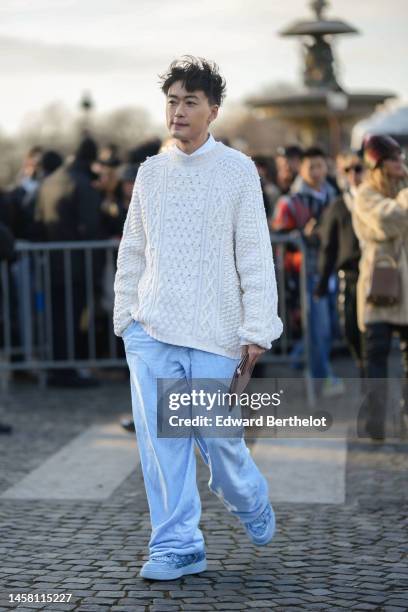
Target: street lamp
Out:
[337,102]
[86,105]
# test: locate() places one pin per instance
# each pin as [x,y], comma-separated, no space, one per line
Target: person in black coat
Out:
[113,206]
[6,242]
[68,209]
[339,250]
[68,204]
[6,253]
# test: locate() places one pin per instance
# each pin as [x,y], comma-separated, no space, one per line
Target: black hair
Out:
[35,150]
[291,151]
[148,148]
[268,163]
[196,73]
[51,161]
[314,152]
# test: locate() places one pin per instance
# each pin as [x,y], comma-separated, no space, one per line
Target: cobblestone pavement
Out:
[323,557]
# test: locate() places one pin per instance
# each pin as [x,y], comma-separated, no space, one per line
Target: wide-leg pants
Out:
[168,464]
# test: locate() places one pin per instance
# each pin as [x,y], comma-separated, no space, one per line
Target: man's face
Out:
[394,166]
[31,165]
[294,163]
[284,172]
[313,171]
[108,178]
[188,114]
[128,190]
[350,171]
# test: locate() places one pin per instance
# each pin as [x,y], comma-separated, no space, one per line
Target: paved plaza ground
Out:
[341,544]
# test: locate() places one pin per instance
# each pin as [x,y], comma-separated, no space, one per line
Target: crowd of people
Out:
[354,223]
[348,211]
[81,198]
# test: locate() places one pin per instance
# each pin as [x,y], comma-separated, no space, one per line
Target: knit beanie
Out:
[379,148]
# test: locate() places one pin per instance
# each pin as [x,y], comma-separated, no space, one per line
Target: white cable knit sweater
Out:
[195,264]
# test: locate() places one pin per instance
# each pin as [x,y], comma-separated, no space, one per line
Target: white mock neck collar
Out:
[193,161]
[206,146]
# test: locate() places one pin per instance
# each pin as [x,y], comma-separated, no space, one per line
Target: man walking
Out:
[194,289]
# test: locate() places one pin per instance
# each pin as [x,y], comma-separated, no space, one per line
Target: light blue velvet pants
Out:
[169,464]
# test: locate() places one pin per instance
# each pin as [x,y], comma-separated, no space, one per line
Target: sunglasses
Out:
[357,168]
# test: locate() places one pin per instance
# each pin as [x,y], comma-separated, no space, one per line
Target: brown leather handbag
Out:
[385,282]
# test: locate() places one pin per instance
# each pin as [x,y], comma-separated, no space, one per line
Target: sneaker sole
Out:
[160,574]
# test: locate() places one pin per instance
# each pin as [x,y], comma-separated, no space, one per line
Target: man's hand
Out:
[254,351]
[310,227]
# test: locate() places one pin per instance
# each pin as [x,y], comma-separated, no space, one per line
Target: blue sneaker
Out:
[169,566]
[261,530]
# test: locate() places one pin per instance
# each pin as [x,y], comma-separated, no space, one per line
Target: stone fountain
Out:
[321,110]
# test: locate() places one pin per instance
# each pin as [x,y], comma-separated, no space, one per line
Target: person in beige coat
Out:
[380,219]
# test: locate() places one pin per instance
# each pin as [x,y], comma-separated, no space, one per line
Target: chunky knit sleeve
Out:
[130,262]
[254,261]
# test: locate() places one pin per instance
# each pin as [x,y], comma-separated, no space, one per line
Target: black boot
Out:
[128,425]
[5,429]
[375,430]
[371,416]
[71,378]
[404,412]
[404,425]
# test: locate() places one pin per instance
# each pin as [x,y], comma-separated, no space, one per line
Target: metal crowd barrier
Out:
[26,305]
[280,354]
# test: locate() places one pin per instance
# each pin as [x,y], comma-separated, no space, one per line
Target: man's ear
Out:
[214,113]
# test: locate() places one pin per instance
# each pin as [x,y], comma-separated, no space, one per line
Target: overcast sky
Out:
[53,50]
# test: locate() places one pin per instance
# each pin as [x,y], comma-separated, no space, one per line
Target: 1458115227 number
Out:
[39,597]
